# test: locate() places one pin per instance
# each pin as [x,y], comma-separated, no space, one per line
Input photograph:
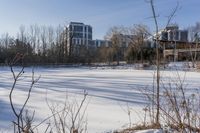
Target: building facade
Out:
[173,33]
[100,43]
[78,35]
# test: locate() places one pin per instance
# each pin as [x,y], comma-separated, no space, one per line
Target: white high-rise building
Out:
[79,34]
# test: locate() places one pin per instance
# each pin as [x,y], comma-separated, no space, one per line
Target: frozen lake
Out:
[109,92]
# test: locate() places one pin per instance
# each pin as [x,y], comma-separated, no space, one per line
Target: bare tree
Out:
[68,117]
[34,36]
[59,44]
[115,36]
[22,34]
[156,39]
[22,124]
[43,36]
[194,37]
[105,54]
[5,40]
[157,63]
[139,33]
[192,30]
[70,44]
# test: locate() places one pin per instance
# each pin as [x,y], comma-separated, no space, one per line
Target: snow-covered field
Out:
[109,92]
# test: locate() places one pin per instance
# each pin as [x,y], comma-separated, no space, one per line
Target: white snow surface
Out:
[109,93]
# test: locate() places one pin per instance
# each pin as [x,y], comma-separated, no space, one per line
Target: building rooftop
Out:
[76,23]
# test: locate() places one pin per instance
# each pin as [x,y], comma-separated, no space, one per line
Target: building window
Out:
[78,35]
[89,29]
[90,36]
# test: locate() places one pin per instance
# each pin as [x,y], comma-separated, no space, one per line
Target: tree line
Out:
[48,45]
[39,44]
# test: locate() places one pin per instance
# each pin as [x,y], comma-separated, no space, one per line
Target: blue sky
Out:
[100,14]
